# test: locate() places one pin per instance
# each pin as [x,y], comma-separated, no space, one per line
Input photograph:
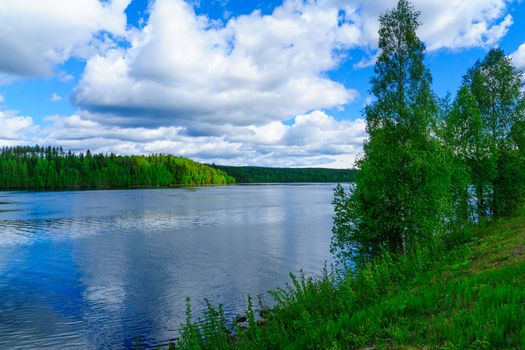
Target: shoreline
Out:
[166,187]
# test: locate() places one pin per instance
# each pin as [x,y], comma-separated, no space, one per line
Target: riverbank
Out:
[468,295]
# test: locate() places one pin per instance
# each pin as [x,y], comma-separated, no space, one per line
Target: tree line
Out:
[37,168]
[252,174]
[431,166]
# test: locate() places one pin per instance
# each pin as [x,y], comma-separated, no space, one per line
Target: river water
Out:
[101,269]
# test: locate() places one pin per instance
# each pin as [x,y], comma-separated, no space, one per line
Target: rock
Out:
[240,318]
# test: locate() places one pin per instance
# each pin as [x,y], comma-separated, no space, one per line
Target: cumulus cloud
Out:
[36,35]
[187,70]
[314,139]
[453,24]
[459,24]
[317,139]
[182,69]
[16,129]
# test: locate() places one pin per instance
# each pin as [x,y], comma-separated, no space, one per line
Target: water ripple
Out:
[96,269]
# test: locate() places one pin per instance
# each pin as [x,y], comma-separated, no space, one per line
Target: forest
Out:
[252,174]
[430,238]
[42,168]
[46,167]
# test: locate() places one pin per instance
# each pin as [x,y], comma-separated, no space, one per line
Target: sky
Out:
[236,82]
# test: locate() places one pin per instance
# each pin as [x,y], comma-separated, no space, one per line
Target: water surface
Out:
[97,269]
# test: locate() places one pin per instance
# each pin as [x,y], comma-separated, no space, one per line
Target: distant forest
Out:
[35,168]
[252,174]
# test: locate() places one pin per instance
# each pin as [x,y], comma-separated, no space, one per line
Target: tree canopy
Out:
[26,167]
[402,192]
[253,174]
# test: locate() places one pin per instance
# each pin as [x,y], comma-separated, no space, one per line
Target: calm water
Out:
[96,269]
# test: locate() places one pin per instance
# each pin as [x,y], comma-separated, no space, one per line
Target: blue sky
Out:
[225,81]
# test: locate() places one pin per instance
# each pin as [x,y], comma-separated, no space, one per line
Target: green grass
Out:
[442,296]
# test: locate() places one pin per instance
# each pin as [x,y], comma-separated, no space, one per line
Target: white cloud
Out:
[314,139]
[15,129]
[458,24]
[518,57]
[55,97]
[367,61]
[36,35]
[317,130]
[186,70]
[182,69]
[452,24]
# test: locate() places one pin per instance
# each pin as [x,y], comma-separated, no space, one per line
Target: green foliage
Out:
[496,171]
[509,183]
[210,332]
[38,168]
[252,174]
[459,129]
[402,193]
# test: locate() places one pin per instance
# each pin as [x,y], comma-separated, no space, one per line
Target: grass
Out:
[463,296]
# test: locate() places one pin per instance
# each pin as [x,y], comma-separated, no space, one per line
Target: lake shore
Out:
[469,295]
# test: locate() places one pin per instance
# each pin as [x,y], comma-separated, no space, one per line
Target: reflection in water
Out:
[96,269]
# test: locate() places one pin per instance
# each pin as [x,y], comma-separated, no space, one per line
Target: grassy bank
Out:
[462,295]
